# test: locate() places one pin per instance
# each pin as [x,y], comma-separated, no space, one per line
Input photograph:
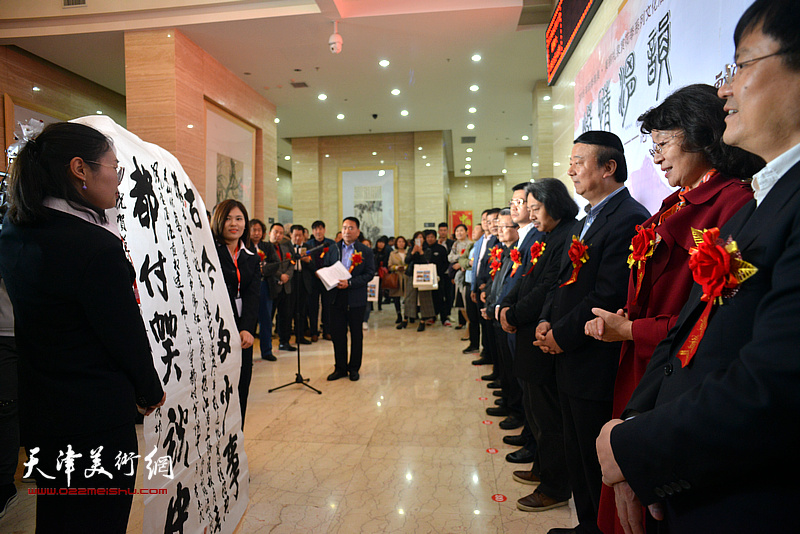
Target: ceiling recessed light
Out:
[469,150]
[428,164]
[384,63]
[467,166]
[559,106]
[276,120]
[525,137]
[327,155]
[472,110]
[470,126]
[468,158]
[322,96]
[546,98]
[476,58]
[504,171]
[473,88]
[169,35]
[381,162]
[468,172]
[381,172]
[556,164]
[395,92]
[340,116]
[419,148]
[287,158]
[534,164]
[424,157]
[190,126]
[36,88]
[374,153]
[515,153]
[99,112]
[404,113]
[278,179]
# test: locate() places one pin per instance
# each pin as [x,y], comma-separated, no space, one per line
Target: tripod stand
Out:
[298,377]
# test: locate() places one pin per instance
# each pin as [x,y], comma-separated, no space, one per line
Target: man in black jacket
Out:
[598,278]
[317,293]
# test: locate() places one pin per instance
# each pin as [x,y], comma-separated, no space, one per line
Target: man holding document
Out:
[348,297]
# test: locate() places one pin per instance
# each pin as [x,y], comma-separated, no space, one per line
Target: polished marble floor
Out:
[404,449]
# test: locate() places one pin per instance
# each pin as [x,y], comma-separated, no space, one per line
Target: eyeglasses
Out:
[658,148]
[120,170]
[508,226]
[732,68]
[515,202]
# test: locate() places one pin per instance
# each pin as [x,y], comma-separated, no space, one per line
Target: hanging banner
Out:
[461,217]
[194,446]
[653,48]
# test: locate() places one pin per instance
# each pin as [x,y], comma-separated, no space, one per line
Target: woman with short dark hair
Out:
[84,356]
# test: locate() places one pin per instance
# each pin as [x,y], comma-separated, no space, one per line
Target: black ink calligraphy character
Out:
[658,54]
[146,203]
[604,107]
[158,269]
[208,270]
[177,511]
[232,467]
[175,441]
[627,83]
[189,197]
[224,343]
[586,121]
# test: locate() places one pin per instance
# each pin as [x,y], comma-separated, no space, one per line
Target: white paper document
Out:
[330,276]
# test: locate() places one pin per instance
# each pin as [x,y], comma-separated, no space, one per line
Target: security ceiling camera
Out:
[374,115]
[335,40]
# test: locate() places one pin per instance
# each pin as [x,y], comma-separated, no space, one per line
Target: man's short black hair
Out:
[779,20]
[317,224]
[519,186]
[442,225]
[354,219]
[428,232]
[492,211]
[274,225]
[298,227]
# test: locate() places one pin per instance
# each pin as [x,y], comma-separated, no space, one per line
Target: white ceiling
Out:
[429,44]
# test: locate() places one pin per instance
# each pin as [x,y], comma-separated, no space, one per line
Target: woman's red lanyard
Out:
[238,274]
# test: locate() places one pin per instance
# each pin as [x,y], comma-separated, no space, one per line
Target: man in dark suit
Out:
[598,273]
[317,293]
[482,277]
[280,287]
[711,437]
[349,299]
[303,280]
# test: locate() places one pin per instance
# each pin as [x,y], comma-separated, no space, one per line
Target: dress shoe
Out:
[411,320]
[464,338]
[327,336]
[510,423]
[286,347]
[497,393]
[399,319]
[490,377]
[526,477]
[302,341]
[494,385]
[421,327]
[481,361]
[314,339]
[562,530]
[336,375]
[539,502]
[522,456]
[354,376]
[496,411]
[459,327]
[516,441]
[470,350]
[500,402]
[269,357]
[402,325]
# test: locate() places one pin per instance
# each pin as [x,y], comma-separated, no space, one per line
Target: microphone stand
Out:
[298,377]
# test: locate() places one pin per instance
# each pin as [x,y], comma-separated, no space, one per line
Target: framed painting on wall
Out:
[461,217]
[369,194]
[230,158]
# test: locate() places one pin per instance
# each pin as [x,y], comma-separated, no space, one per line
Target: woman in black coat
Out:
[239,264]
[84,357]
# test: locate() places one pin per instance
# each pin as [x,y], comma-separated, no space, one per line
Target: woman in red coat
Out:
[713,182]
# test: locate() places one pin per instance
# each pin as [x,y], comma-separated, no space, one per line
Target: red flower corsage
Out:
[261,255]
[514,255]
[536,251]
[718,267]
[579,254]
[496,256]
[642,246]
[355,259]
[324,250]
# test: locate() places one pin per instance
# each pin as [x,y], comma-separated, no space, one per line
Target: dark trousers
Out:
[318,293]
[79,514]
[344,317]
[489,349]
[245,376]
[265,320]
[543,413]
[474,323]
[284,306]
[512,391]
[299,330]
[439,297]
[583,420]
[9,410]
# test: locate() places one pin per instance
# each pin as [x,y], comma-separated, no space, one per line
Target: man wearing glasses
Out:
[710,436]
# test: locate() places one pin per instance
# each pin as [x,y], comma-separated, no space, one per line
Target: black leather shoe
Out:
[303,341]
[327,336]
[270,357]
[286,347]
[516,441]
[497,393]
[471,350]
[500,402]
[490,377]
[402,325]
[421,327]
[522,456]
[481,361]
[510,423]
[354,376]
[497,411]
[336,375]
[494,385]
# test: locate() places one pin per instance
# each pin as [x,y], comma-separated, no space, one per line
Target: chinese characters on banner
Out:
[194,443]
[461,217]
[652,48]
